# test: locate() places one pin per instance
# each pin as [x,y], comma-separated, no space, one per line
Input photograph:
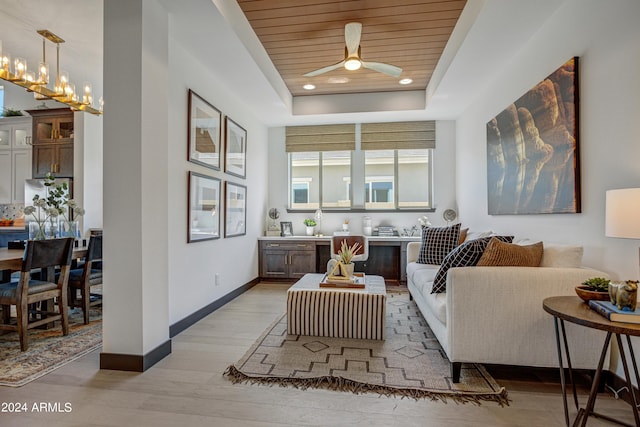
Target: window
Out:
[315,173]
[409,168]
[305,180]
[391,170]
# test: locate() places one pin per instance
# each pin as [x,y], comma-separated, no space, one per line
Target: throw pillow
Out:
[562,256]
[437,242]
[506,254]
[463,235]
[466,255]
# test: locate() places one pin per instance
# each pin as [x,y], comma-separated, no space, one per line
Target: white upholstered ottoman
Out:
[337,312]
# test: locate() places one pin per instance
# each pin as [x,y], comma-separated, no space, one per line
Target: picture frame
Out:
[204,132]
[235,149]
[533,161]
[286,228]
[235,221]
[203,213]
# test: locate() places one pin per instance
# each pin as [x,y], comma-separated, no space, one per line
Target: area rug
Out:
[48,349]
[409,363]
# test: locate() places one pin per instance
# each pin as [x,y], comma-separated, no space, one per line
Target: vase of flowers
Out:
[54,215]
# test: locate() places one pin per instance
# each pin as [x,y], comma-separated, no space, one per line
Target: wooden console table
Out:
[572,309]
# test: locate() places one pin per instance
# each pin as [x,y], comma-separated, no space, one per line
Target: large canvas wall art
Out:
[532,149]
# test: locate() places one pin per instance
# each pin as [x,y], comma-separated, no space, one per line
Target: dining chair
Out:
[82,279]
[361,255]
[43,255]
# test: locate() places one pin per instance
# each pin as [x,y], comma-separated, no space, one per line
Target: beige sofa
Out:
[494,315]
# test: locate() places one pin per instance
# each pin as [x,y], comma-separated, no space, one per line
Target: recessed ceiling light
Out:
[338,80]
[406,81]
[309,86]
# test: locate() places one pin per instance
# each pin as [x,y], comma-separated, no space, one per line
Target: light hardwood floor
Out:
[188,389]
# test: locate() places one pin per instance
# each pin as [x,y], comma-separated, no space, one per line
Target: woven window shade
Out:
[321,138]
[399,135]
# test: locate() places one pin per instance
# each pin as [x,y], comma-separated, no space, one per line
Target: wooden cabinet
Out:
[52,142]
[290,259]
[15,158]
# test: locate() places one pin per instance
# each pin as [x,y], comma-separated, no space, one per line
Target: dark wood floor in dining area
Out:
[188,389]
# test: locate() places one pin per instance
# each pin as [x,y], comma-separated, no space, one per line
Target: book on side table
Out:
[613,313]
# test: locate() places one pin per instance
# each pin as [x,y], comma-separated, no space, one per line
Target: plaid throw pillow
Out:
[466,255]
[437,242]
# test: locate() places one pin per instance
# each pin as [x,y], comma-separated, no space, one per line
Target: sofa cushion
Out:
[421,275]
[437,242]
[499,253]
[438,305]
[465,255]
[562,256]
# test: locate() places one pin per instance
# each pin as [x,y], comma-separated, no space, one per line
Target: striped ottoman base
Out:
[340,313]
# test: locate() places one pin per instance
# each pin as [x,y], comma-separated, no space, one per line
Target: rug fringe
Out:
[344,384]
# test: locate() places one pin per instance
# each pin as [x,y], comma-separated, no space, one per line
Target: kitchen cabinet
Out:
[52,142]
[290,259]
[15,158]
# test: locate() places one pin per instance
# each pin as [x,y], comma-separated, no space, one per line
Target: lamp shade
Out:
[622,217]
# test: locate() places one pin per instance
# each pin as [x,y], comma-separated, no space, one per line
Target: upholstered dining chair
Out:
[43,255]
[361,255]
[82,279]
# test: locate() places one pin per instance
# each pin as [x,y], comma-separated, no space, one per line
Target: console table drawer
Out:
[288,246]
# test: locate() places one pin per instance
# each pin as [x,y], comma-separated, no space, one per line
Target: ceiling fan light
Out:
[352,64]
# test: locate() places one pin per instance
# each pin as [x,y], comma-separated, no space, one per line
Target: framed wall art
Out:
[235,221]
[235,149]
[532,149]
[204,208]
[204,130]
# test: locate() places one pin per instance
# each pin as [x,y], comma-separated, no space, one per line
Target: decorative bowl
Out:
[584,293]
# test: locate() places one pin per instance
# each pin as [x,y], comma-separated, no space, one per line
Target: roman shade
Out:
[340,137]
[398,135]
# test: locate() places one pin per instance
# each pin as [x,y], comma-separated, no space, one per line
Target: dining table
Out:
[11,260]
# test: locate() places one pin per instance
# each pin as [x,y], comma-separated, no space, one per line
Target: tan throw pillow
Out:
[507,254]
[463,235]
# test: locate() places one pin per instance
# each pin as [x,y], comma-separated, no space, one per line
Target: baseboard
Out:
[195,317]
[133,362]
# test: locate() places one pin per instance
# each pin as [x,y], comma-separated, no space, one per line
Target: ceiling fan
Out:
[352,60]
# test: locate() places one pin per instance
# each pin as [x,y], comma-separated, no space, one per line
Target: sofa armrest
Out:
[413,249]
[495,315]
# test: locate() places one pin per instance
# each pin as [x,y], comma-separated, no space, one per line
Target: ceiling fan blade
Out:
[324,69]
[352,32]
[380,67]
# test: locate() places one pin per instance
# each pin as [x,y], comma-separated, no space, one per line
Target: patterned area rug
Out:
[48,349]
[410,362]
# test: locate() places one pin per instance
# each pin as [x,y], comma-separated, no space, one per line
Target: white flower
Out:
[53,212]
[28,210]
[424,221]
[78,211]
[40,203]
[72,203]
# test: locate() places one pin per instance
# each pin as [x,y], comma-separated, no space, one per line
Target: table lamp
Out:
[621,213]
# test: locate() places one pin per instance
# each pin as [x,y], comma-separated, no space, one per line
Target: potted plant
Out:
[310,223]
[346,254]
[596,288]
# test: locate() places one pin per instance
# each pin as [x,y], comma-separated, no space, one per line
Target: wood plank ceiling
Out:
[303,35]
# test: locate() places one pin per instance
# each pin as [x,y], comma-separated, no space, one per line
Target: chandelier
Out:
[62,89]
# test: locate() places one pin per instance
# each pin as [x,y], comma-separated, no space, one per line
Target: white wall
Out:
[193,266]
[444,183]
[606,37]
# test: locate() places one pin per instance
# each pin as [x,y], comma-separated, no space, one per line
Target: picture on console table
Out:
[204,130]
[235,209]
[532,149]
[204,208]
